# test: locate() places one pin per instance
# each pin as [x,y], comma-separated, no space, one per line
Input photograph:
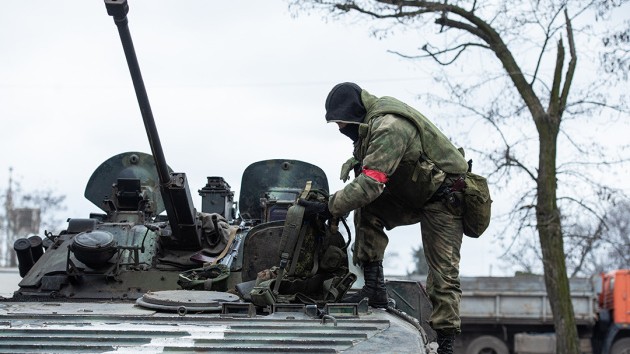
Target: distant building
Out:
[22,222]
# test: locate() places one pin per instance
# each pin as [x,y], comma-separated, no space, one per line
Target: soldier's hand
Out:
[347,167]
[312,208]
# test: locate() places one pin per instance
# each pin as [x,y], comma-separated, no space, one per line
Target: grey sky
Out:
[230,83]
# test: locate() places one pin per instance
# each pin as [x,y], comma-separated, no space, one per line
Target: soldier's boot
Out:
[445,339]
[374,288]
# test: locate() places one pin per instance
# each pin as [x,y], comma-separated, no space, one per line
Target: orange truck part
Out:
[615,295]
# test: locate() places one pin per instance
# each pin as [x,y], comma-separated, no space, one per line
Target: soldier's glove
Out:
[312,208]
[347,167]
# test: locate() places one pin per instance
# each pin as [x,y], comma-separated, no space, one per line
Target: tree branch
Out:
[434,55]
[588,248]
[547,32]
[475,31]
[395,14]
[572,64]
[554,99]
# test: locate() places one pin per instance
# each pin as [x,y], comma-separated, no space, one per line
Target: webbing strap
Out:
[307,189]
[233,230]
[293,225]
[291,235]
[291,230]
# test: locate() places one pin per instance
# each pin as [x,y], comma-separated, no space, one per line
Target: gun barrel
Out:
[119,9]
[174,188]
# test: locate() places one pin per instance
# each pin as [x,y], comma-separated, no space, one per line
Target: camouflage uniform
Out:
[414,159]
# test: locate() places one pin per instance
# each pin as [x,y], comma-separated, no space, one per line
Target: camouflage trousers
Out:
[442,231]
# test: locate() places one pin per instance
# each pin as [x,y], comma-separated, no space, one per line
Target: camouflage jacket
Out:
[398,149]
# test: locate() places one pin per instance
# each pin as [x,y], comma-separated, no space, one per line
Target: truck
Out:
[503,315]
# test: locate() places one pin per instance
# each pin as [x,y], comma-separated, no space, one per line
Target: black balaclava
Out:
[344,104]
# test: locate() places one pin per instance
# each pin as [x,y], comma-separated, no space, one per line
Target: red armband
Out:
[376,175]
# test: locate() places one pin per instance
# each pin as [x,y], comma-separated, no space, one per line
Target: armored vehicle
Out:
[150,273]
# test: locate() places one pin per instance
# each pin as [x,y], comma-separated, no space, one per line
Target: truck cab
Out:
[614,314]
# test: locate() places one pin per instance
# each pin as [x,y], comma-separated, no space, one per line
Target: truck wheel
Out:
[487,345]
[621,346]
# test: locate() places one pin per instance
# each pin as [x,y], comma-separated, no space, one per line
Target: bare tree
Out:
[615,250]
[521,78]
[23,213]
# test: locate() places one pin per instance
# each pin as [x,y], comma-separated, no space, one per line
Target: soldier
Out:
[406,172]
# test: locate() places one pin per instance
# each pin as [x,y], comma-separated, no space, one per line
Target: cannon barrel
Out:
[118,9]
[174,187]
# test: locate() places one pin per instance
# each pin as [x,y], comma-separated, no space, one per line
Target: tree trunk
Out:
[551,243]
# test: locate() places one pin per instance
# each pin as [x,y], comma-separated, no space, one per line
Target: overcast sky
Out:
[230,83]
